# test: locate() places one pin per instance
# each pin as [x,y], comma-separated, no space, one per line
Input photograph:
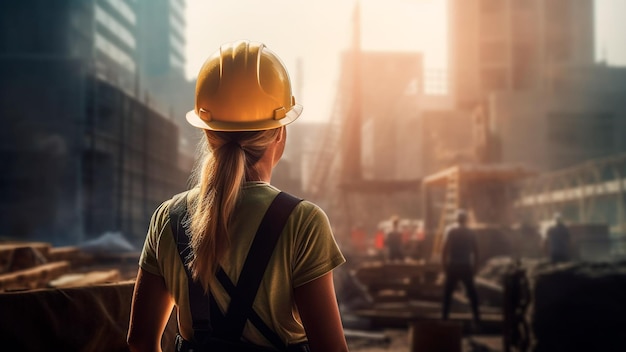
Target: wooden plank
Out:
[22,255]
[85,279]
[74,255]
[62,253]
[31,278]
[42,247]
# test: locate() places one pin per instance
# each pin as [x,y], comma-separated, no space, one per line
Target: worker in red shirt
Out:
[358,238]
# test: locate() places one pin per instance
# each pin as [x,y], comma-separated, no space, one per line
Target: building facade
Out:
[161,60]
[548,131]
[527,71]
[388,112]
[500,45]
[81,153]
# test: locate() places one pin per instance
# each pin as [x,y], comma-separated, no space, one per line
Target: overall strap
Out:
[251,275]
[204,311]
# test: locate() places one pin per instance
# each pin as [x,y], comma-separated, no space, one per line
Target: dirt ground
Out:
[399,342]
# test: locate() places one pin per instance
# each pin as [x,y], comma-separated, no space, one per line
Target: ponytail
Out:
[224,170]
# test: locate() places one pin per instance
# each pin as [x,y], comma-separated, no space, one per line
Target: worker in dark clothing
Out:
[460,260]
[394,242]
[557,242]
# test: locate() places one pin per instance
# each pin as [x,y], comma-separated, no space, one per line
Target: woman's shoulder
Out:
[161,215]
[308,214]
[309,207]
[304,209]
[304,206]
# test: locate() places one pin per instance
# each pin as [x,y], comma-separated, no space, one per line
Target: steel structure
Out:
[593,191]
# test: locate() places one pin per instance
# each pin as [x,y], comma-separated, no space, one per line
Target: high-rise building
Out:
[100,33]
[387,108]
[498,45]
[161,30]
[161,56]
[391,124]
[81,153]
[526,71]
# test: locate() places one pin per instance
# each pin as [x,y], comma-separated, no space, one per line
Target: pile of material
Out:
[399,282]
[569,307]
[66,298]
[491,277]
[32,265]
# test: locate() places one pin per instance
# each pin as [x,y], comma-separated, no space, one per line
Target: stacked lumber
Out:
[22,255]
[387,282]
[85,279]
[33,265]
[31,278]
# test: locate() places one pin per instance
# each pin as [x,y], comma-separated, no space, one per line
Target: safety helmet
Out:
[243,87]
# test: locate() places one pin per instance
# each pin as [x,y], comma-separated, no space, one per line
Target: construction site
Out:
[525,126]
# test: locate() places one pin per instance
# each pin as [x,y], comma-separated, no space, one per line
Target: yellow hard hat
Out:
[243,87]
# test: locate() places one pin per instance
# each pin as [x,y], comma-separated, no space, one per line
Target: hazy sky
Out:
[317,31]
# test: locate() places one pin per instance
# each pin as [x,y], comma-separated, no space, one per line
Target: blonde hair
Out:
[229,161]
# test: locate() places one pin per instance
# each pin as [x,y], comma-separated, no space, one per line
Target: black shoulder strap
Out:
[256,262]
[243,294]
[178,219]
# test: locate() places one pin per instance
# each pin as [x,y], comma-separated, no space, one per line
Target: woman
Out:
[243,103]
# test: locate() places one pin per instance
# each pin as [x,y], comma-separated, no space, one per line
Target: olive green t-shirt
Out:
[306,250]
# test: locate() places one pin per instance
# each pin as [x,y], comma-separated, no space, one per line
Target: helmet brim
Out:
[260,125]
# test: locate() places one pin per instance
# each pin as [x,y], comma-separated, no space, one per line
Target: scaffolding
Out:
[485,191]
[590,192]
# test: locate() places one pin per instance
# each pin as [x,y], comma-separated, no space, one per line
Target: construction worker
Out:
[379,240]
[247,267]
[393,241]
[358,238]
[417,242]
[557,241]
[460,260]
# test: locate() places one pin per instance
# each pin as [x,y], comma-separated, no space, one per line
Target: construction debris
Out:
[566,307]
[36,277]
[87,279]
[33,265]
[387,282]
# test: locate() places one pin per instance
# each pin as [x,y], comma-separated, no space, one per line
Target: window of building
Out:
[494,79]
[435,82]
[178,10]
[523,5]
[488,6]
[113,26]
[79,43]
[177,45]
[492,52]
[123,9]
[559,49]
[175,61]
[557,10]
[80,21]
[114,52]
[178,28]
[524,65]
[593,132]
[493,26]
